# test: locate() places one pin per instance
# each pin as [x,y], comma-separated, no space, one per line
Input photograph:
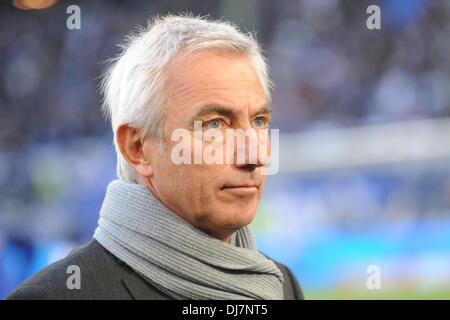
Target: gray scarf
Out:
[178,258]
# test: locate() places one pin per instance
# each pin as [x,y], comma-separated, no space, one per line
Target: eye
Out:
[214,124]
[260,122]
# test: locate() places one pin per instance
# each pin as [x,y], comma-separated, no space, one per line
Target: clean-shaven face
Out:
[224,92]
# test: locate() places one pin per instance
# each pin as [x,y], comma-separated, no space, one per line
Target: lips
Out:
[241,190]
[237,186]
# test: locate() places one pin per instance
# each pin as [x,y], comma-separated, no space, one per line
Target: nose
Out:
[251,148]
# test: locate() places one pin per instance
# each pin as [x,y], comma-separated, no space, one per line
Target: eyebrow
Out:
[217,108]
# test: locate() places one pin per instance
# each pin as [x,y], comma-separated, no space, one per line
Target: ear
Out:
[132,149]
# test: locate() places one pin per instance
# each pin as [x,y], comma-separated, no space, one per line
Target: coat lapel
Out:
[139,288]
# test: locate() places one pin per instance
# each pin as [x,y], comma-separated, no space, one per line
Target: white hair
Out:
[134,84]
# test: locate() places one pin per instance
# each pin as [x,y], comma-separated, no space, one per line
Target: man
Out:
[171,230]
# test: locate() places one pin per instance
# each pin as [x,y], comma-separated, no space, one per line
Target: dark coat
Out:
[103,276]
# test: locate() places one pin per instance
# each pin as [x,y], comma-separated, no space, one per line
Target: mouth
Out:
[241,189]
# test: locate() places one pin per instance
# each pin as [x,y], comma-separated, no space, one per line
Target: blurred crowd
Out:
[329,70]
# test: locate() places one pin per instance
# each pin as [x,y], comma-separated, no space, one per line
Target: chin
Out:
[239,217]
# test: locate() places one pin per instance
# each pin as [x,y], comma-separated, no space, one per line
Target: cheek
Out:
[195,190]
[188,180]
[167,174]
[265,141]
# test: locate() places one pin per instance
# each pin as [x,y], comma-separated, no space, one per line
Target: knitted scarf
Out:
[181,260]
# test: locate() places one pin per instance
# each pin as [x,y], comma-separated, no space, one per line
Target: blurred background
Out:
[364,137]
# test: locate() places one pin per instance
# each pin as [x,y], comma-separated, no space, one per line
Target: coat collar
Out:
[140,288]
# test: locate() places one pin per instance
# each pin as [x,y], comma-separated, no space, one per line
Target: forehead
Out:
[212,77]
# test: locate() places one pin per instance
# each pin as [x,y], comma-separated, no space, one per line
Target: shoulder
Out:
[292,289]
[81,275]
